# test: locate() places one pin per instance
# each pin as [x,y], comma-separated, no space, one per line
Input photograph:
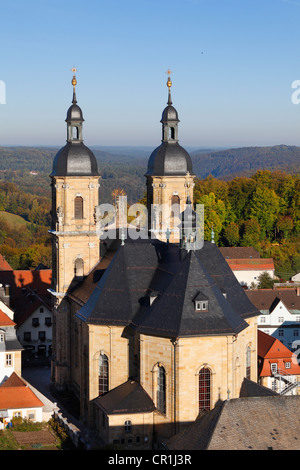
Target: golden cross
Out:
[74,69]
[168,72]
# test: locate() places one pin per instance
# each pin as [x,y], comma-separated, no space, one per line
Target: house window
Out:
[280,319]
[128,426]
[274,368]
[17,414]
[103,374]
[297,318]
[287,365]
[262,319]
[78,207]
[27,336]
[35,322]
[296,332]
[161,389]
[42,335]
[8,360]
[2,337]
[281,333]
[31,415]
[48,321]
[41,309]
[204,388]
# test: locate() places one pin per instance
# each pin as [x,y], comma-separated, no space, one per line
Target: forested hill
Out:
[124,167]
[245,161]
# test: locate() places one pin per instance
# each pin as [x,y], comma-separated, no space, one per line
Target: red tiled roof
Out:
[5,320]
[271,350]
[258,264]
[15,394]
[4,265]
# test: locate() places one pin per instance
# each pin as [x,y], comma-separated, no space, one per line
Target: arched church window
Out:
[78,207]
[204,388]
[161,389]
[248,363]
[79,267]
[103,374]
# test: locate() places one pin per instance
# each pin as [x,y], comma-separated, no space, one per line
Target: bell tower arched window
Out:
[103,374]
[78,207]
[204,388]
[79,267]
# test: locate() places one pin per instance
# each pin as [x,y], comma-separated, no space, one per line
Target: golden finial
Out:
[169,82]
[74,81]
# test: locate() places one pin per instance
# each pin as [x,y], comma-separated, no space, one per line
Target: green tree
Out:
[264,208]
[231,234]
[265,281]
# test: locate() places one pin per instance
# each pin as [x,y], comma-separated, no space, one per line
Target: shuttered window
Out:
[78,207]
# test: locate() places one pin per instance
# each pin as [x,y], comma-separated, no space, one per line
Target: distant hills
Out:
[124,167]
[229,163]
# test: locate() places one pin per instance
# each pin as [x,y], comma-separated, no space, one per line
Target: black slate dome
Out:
[74,113]
[169,114]
[169,159]
[75,159]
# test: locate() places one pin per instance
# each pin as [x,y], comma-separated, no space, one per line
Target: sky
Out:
[233,65]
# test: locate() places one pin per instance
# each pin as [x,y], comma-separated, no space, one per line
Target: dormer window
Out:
[201,303]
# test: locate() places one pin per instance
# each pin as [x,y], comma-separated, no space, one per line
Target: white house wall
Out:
[27,327]
[281,324]
[248,276]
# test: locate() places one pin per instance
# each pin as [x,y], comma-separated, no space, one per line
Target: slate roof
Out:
[141,267]
[251,423]
[129,397]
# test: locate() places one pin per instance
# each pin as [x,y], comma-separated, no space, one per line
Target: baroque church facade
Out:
[147,333]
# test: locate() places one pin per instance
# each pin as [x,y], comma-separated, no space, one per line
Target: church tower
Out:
[169,178]
[75,243]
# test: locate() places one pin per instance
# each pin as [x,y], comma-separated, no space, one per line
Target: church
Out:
[147,332]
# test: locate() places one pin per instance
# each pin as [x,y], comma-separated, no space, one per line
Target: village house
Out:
[280,313]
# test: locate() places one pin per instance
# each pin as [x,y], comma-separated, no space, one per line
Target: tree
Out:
[285,225]
[251,233]
[264,208]
[265,281]
[231,234]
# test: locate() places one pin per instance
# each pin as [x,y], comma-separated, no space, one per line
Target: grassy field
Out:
[12,219]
